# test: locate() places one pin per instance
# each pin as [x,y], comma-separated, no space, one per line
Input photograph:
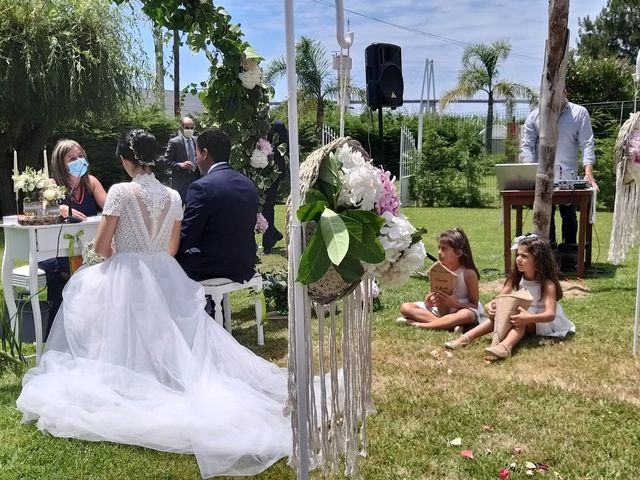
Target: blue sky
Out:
[523,23]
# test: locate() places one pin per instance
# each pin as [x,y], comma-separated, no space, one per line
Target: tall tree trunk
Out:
[159,54]
[488,129]
[319,120]
[551,102]
[176,73]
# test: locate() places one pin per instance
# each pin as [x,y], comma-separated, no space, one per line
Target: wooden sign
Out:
[441,279]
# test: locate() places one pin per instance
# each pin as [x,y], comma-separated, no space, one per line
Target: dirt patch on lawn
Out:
[570,288]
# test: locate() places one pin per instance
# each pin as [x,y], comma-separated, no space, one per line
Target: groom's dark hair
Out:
[217,144]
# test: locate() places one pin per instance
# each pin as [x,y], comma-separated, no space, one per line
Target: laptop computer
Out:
[516,176]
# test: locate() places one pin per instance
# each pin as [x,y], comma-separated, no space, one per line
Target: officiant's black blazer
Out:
[219,220]
[177,153]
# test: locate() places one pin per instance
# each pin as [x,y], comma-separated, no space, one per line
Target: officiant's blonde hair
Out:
[59,169]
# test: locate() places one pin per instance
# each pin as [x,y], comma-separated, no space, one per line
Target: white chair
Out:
[20,278]
[220,288]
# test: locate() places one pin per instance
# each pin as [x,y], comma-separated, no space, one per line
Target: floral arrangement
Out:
[261,168]
[274,286]
[53,193]
[260,155]
[89,255]
[359,227]
[251,73]
[31,180]
[261,223]
[39,194]
[634,147]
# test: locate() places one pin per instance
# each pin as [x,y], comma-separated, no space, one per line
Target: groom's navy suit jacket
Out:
[219,220]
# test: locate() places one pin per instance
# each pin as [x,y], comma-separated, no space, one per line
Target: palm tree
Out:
[315,77]
[480,70]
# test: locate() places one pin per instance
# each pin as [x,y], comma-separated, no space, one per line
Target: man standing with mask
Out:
[181,156]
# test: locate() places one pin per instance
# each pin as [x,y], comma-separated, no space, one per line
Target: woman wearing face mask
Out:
[69,167]
[85,195]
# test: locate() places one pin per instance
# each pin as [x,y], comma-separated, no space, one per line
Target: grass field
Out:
[572,405]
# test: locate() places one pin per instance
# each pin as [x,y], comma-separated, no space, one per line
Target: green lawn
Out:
[572,405]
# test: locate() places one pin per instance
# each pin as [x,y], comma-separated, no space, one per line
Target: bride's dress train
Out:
[133,358]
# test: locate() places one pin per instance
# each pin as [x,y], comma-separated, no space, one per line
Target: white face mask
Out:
[187,132]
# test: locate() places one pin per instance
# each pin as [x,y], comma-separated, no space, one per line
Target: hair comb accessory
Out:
[135,154]
[516,241]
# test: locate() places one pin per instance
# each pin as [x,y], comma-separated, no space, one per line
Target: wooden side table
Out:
[520,198]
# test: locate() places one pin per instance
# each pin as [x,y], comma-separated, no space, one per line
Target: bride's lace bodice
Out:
[147,211]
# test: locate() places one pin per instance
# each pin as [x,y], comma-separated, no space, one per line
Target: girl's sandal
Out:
[461,342]
[500,351]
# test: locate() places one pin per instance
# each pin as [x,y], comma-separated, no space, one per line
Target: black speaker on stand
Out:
[385,87]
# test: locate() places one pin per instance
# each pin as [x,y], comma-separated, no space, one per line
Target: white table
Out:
[35,243]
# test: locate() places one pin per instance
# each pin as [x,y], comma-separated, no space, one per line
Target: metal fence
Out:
[408,163]
[328,134]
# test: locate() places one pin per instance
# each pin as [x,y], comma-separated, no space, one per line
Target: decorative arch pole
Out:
[297,310]
[345,40]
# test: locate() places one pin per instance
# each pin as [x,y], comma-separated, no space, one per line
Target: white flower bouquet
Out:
[89,255]
[359,226]
[30,181]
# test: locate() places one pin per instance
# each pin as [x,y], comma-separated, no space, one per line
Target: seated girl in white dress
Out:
[534,270]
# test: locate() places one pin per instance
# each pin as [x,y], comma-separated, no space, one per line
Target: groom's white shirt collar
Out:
[214,166]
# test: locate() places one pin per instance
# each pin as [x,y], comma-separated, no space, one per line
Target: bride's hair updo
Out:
[139,147]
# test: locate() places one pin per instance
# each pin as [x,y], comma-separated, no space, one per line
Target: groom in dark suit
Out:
[181,157]
[217,237]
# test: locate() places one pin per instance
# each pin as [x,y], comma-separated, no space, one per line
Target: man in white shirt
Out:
[574,130]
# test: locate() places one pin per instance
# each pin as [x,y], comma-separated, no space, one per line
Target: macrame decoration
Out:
[338,357]
[340,184]
[625,233]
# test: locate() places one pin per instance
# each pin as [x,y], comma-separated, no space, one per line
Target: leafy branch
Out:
[343,238]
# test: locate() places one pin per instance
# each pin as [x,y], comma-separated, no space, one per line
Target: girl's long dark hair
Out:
[545,262]
[458,240]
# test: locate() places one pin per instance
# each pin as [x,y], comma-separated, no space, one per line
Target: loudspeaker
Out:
[383,71]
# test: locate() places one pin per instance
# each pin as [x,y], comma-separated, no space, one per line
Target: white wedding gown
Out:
[133,357]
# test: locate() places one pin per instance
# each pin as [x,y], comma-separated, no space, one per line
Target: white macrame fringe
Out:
[339,397]
[625,232]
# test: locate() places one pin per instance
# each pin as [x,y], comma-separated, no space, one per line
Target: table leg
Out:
[518,220]
[582,236]
[7,282]
[506,223]
[589,245]
[35,304]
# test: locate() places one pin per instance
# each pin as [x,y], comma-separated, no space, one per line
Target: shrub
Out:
[451,165]
[604,172]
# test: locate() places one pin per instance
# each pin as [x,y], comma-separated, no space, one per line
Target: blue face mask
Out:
[78,167]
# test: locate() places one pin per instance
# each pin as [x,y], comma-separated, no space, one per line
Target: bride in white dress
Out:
[133,357]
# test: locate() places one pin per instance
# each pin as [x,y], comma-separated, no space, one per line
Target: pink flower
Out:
[388,200]
[264,146]
[504,473]
[634,146]
[261,223]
